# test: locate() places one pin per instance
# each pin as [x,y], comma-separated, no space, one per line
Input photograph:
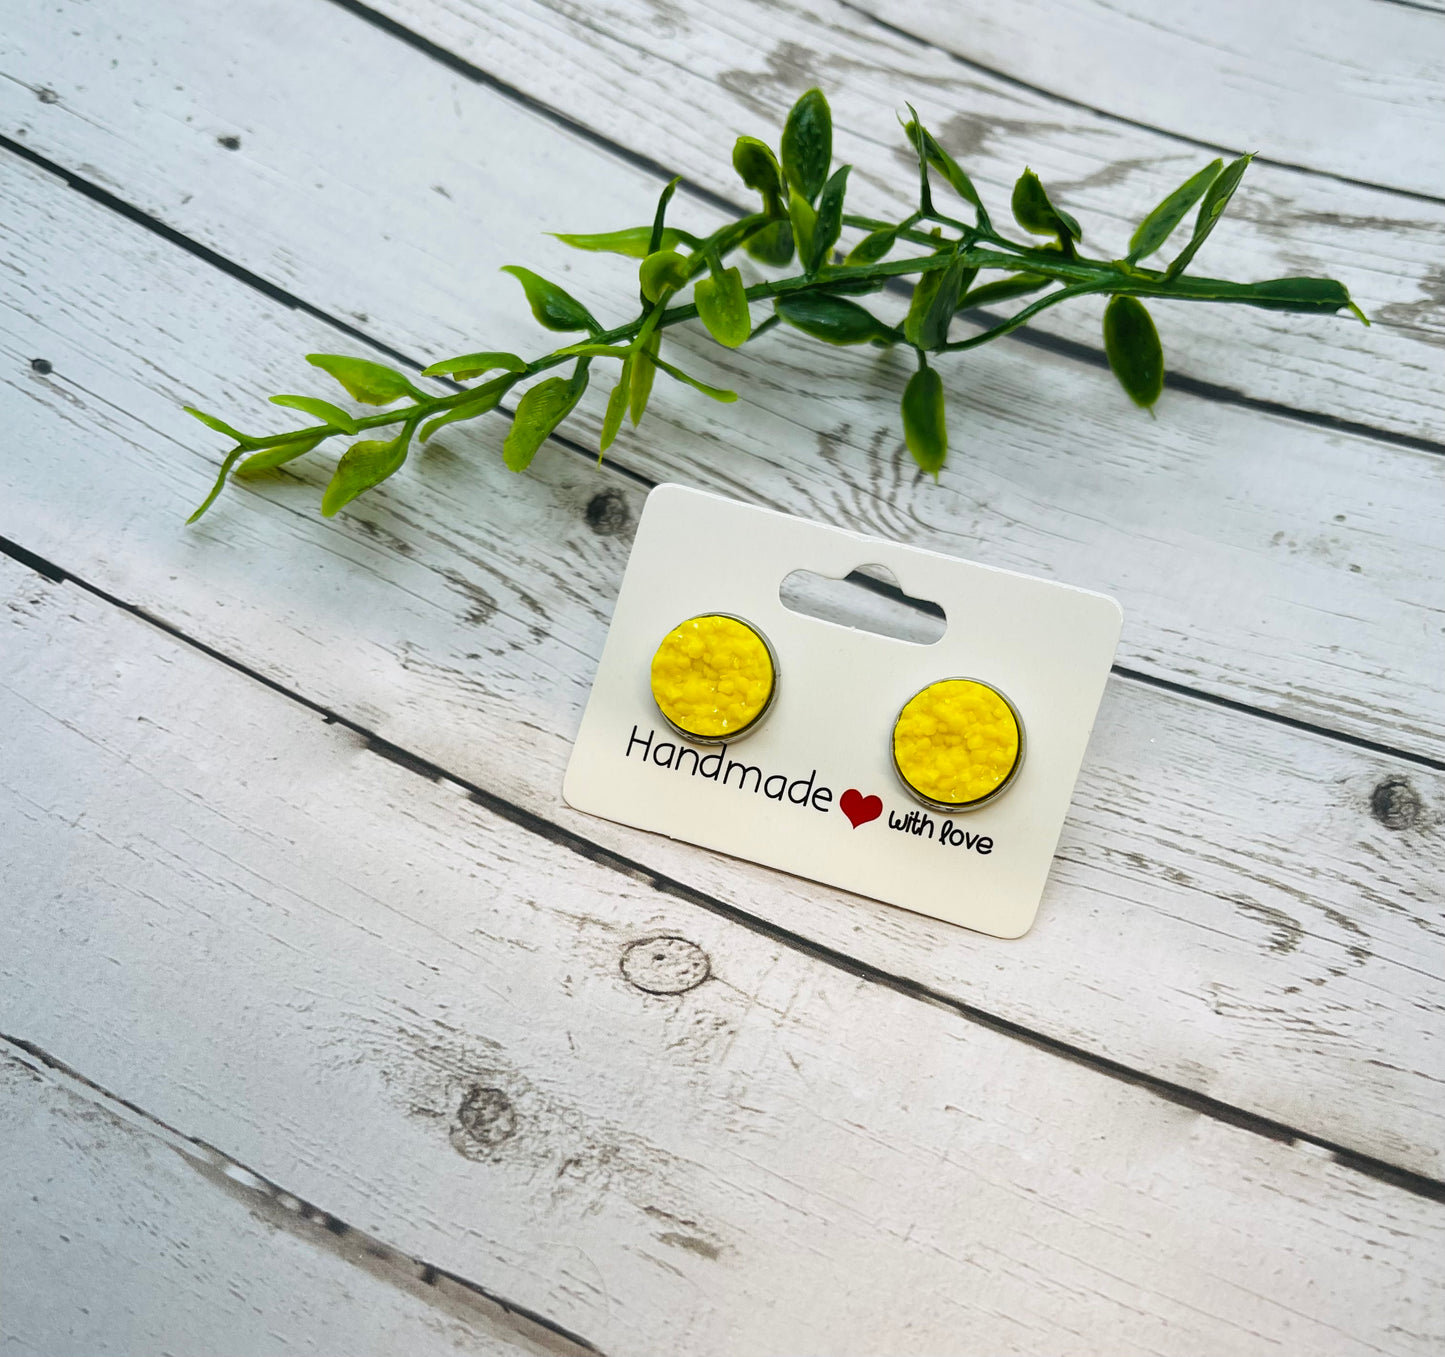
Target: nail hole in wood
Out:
[607,513]
[230,143]
[42,365]
[46,95]
[665,965]
[1395,803]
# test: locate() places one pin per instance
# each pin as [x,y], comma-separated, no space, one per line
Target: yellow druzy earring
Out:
[714,678]
[957,744]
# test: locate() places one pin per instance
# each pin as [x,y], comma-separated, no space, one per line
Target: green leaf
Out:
[1216,199]
[663,271]
[722,305]
[541,409]
[833,319]
[282,453]
[1002,290]
[468,365]
[219,425]
[935,299]
[804,220]
[772,245]
[1157,227]
[486,397]
[631,241]
[318,409]
[843,282]
[362,466]
[1310,296]
[659,218]
[1135,354]
[925,429]
[873,247]
[914,132]
[757,167]
[365,381]
[718,393]
[219,483]
[1034,211]
[949,168]
[769,323]
[644,369]
[553,308]
[808,144]
[829,223]
[616,408]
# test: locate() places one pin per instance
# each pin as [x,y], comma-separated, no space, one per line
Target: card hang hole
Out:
[866,599]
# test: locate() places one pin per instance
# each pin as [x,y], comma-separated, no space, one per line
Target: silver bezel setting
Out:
[732,736]
[948,807]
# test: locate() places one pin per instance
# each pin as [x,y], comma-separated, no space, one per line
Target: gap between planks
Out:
[1098,111]
[615,67]
[1417,1183]
[366,716]
[270,1201]
[1032,338]
[696,459]
[1060,344]
[105,199]
[993,1221]
[1044,334]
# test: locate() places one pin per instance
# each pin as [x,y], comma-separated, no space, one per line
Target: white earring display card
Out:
[935,777]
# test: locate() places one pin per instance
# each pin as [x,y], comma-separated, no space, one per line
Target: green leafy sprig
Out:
[957,266]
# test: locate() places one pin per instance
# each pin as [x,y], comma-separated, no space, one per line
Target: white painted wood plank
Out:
[1275,928]
[1054,472]
[118,1237]
[396,191]
[1347,87]
[416,1015]
[740,66]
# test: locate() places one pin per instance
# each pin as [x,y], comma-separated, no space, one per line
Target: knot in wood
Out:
[665,965]
[485,1119]
[607,513]
[1395,803]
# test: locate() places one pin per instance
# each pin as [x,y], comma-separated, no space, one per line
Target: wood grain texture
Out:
[417,186]
[121,1237]
[418,1016]
[1227,912]
[1323,607]
[627,71]
[1347,87]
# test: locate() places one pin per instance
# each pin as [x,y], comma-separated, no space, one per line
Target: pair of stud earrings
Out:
[956,744]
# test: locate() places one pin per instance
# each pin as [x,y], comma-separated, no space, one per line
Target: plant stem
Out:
[976,247]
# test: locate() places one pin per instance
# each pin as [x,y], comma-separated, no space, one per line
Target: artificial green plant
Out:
[956,266]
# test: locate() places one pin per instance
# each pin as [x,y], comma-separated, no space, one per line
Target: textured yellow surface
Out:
[712,676]
[956,741]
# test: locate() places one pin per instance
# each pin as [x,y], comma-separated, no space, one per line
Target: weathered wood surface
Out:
[436,1025]
[410,1007]
[1345,87]
[1323,607]
[1281,937]
[119,1236]
[737,68]
[425,184]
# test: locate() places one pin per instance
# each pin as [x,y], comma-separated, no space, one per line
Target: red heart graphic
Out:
[859,808]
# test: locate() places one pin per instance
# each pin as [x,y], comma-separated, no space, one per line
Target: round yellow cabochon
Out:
[956,741]
[712,676]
